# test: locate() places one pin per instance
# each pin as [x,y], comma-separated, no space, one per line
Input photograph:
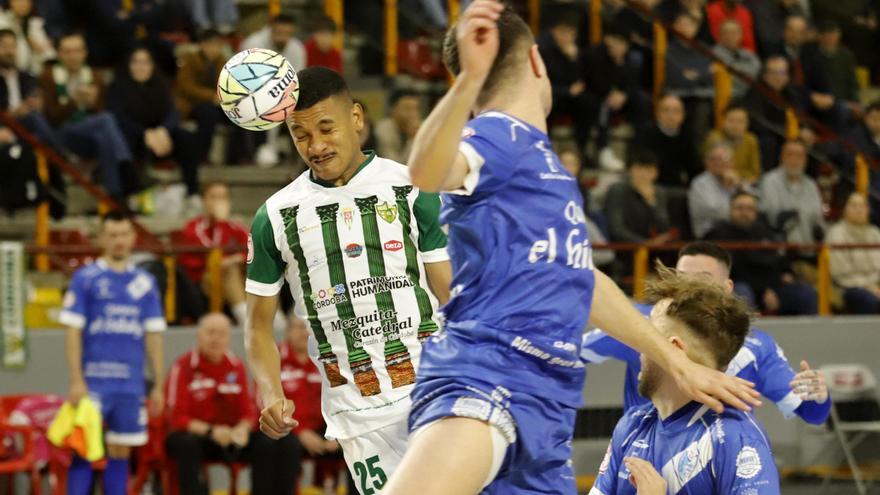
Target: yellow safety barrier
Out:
[824,281]
[274,7]
[391,35]
[171,287]
[454,10]
[595,22]
[41,223]
[334,10]
[659,60]
[862,174]
[535,16]
[723,92]
[640,270]
[215,274]
[792,127]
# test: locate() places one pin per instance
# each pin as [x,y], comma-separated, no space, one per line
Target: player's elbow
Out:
[422,180]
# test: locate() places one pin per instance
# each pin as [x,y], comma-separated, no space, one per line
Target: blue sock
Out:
[116,477]
[79,477]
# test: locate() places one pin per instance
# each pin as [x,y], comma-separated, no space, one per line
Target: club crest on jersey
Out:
[353,250]
[348,216]
[393,246]
[250,254]
[748,463]
[387,211]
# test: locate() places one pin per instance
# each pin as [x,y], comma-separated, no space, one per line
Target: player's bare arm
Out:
[617,316]
[439,278]
[435,163]
[156,354]
[73,350]
[276,418]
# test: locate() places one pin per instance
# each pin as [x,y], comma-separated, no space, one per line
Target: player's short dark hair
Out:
[514,41]
[640,156]
[706,248]
[720,320]
[283,18]
[8,32]
[316,84]
[116,216]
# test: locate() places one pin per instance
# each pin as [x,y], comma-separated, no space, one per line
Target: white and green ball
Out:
[257,89]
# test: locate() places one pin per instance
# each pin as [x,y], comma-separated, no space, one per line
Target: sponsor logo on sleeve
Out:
[393,246]
[748,463]
[250,255]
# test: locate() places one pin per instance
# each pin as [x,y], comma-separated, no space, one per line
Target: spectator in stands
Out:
[637,207]
[214,229]
[808,70]
[320,48]
[839,65]
[213,416]
[790,198]
[689,76]
[196,91]
[367,134]
[762,277]
[34,46]
[614,91]
[669,10]
[141,100]
[768,119]
[710,192]
[562,58]
[674,148]
[769,17]
[866,137]
[735,133]
[73,94]
[279,36]
[394,133]
[721,11]
[729,49]
[220,15]
[856,271]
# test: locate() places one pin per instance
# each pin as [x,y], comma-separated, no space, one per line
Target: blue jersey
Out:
[697,452]
[113,310]
[522,266]
[760,361]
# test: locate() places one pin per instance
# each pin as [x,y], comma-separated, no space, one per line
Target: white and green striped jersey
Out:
[353,256]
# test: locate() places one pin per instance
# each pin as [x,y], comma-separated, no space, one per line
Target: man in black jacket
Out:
[866,137]
[559,50]
[675,148]
[761,277]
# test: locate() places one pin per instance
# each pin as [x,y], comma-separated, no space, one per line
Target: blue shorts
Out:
[538,460]
[125,417]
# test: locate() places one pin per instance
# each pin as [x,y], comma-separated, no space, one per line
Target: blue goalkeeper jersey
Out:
[697,452]
[760,360]
[113,310]
[522,266]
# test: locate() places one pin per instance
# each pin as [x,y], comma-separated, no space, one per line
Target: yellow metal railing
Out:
[391,37]
[595,22]
[862,174]
[334,10]
[41,222]
[659,60]
[723,91]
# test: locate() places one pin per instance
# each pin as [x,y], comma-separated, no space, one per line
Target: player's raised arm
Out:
[617,316]
[435,163]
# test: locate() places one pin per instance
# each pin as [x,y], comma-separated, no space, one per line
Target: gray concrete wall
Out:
[819,340]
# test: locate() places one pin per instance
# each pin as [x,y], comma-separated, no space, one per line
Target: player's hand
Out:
[157,401]
[477,37]
[810,384]
[331,446]
[221,434]
[714,388]
[643,476]
[78,390]
[276,420]
[315,444]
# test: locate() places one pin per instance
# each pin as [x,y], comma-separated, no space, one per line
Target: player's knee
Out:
[118,451]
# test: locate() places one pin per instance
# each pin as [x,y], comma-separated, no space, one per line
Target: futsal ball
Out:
[257,89]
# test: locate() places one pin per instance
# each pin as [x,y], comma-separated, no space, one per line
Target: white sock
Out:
[239,311]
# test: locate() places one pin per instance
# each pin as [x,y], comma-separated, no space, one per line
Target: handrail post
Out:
[41,223]
[274,8]
[792,127]
[170,287]
[215,272]
[659,60]
[391,37]
[535,16]
[824,281]
[862,174]
[454,7]
[595,22]
[640,270]
[723,91]
[334,10]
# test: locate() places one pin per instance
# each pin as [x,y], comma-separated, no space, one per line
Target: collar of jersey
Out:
[102,263]
[370,155]
[530,127]
[681,419]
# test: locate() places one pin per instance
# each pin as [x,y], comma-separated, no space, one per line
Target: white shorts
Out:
[373,456]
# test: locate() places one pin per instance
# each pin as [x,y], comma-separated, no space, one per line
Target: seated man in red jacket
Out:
[213,416]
